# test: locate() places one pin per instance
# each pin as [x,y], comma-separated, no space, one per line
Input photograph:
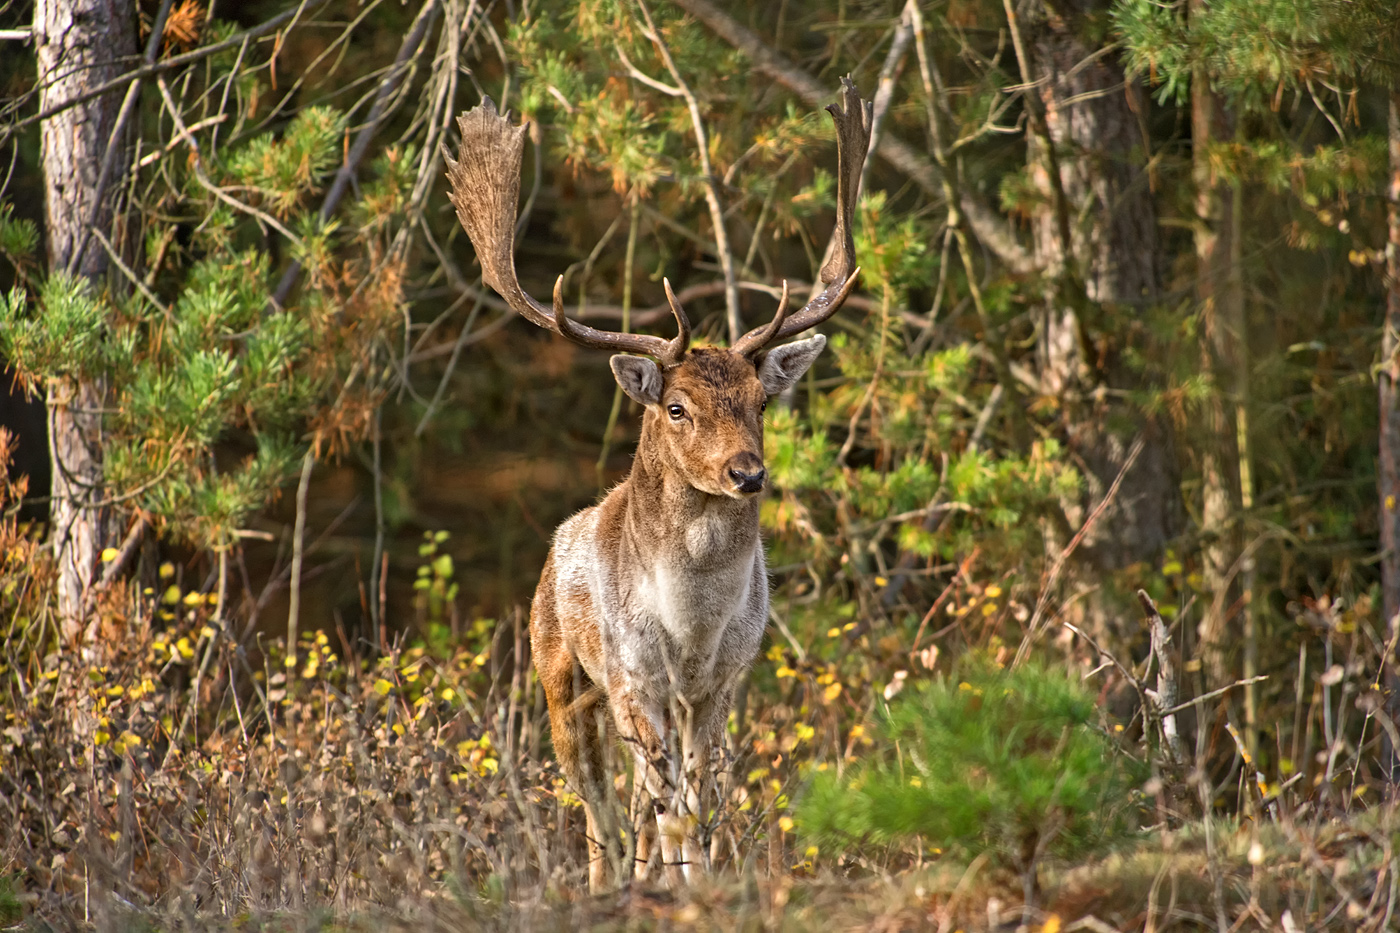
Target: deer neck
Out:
[671,521]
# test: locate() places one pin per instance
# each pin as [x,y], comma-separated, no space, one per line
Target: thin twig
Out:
[298,537]
[1046,588]
[702,151]
[146,71]
[378,111]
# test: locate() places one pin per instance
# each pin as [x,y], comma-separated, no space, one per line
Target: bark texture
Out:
[79,44]
[1389,459]
[1096,239]
[1221,308]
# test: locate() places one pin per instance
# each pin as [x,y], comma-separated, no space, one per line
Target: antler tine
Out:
[758,338]
[853,119]
[677,347]
[485,189]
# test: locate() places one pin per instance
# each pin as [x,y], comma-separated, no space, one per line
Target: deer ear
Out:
[784,365]
[639,377]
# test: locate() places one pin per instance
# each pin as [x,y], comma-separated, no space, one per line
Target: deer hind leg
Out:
[575,719]
[574,714]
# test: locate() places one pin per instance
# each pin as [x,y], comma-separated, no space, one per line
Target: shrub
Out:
[1006,762]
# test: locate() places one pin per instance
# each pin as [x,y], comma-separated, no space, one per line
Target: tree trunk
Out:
[79,44]
[1219,292]
[1389,459]
[1099,249]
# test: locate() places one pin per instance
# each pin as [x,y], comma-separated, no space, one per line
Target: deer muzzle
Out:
[745,471]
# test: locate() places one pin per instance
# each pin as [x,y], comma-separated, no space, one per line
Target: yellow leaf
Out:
[833,632]
[785,823]
[993,591]
[101,738]
[382,687]
[832,692]
[109,555]
[172,595]
[786,671]
[989,608]
[881,581]
[193,598]
[1051,925]
[167,570]
[398,729]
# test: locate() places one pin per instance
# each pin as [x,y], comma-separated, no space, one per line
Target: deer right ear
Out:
[639,377]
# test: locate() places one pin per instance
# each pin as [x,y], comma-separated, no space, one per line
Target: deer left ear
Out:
[784,365]
[639,377]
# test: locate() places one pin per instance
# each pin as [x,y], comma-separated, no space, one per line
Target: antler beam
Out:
[853,118]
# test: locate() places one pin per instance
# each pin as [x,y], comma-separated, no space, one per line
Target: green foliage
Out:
[207,396]
[10,909]
[436,591]
[18,237]
[1255,51]
[286,170]
[1011,763]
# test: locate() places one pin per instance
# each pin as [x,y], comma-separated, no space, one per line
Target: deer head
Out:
[704,407]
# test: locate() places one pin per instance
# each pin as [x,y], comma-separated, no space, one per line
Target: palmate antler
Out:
[485,183]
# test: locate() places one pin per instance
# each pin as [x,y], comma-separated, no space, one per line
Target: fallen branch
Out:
[1164,697]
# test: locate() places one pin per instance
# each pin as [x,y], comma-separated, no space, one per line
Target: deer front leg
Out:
[641,728]
[704,766]
[643,812]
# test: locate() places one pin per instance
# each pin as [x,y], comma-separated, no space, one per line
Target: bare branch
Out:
[988,226]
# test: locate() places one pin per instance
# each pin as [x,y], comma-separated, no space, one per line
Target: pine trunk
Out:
[1389,465]
[80,44]
[1217,295]
[1100,256]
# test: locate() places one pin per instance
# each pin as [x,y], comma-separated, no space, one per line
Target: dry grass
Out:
[189,782]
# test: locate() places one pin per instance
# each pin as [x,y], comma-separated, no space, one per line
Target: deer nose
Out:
[747,473]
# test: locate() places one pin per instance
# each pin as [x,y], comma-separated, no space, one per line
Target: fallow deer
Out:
[656,598]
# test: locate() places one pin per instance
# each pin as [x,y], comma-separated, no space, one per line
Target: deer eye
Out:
[676,412]
[764,407]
